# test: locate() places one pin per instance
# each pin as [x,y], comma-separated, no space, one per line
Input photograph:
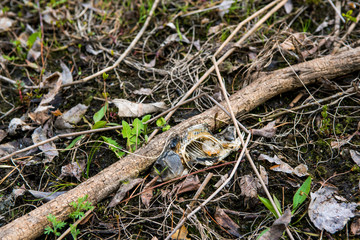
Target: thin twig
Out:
[127,51]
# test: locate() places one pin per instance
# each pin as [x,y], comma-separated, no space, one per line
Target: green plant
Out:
[132,135]
[349,17]
[32,38]
[325,121]
[79,206]
[305,25]
[56,225]
[98,116]
[114,146]
[299,197]
[161,122]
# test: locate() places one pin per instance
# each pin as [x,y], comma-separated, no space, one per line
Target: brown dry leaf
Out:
[191,183]
[3,134]
[300,170]
[5,23]
[355,155]
[74,169]
[40,115]
[132,109]
[276,230]
[124,188]
[216,29]
[268,131]
[180,234]
[71,117]
[355,227]
[249,186]
[49,149]
[288,43]
[226,222]
[147,195]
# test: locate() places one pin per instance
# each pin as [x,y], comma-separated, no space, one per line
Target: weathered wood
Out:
[107,181]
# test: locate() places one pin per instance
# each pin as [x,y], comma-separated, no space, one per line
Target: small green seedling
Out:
[301,194]
[98,116]
[56,225]
[161,122]
[349,17]
[132,134]
[79,206]
[114,146]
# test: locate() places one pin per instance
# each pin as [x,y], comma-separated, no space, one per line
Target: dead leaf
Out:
[300,170]
[123,189]
[288,6]
[329,213]
[15,123]
[70,118]
[49,149]
[174,38]
[276,230]
[288,44]
[91,50]
[355,227]
[268,131]
[131,109]
[249,186]
[74,169]
[180,234]
[224,7]
[147,195]
[226,222]
[355,155]
[40,115]
[264,175]
[143,91]
[46,196]
[324,25]
[3,134]
[13,146]
[191,183]
[66,75]
[151,64]
[216,29]
[5,23]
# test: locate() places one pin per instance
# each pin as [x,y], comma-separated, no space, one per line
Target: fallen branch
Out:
[107,181]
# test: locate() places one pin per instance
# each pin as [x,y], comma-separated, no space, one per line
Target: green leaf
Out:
[138,127]
[262,233]
[167,127]
[74,142]
[99,124]
[48,230]
[160,122]
[100,114]
[31,40]
[105,76]
[114,146]
[268,205]
[146,118]
[277,203]
[301,194]
[126,129]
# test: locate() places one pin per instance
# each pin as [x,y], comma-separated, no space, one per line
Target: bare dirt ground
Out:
[86,82]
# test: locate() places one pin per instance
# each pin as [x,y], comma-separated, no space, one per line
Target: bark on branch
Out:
[107,181]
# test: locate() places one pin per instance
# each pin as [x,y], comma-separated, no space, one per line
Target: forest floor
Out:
[307,138]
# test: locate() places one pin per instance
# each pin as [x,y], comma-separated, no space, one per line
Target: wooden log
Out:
[32,225]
